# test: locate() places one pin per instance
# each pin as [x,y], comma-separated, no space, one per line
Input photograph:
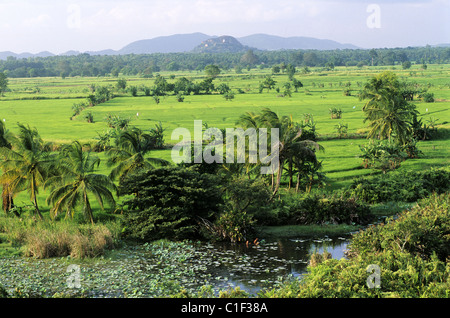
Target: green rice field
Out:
[46,103]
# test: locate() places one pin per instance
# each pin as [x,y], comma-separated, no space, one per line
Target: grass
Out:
[57,239]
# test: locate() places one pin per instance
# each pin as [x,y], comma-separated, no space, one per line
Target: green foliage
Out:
[410,251]
[133,90]
[121,83]
[244,200]
[47,239]
[76,178]
[387,110]
[168,202]
[26,165]
[228,95]
[130,151]
[406,65]
[336,113]
[408,186]
[424,131]
[268,83]
[382,154]
[428,97]
[212,70]
[115,122]
[316,209]
[3,83]
[341,129]
[144,65]
[421,231]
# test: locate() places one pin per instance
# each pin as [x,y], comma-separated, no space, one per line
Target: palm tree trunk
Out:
[34,198]
[36,208]
[277,184]
[87,208]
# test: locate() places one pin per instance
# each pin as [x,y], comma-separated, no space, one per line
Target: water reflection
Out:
[254,267]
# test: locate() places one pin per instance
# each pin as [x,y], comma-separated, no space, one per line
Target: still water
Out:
[150,270]
[254,267]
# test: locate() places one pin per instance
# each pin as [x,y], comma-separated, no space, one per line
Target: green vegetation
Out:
[411,252]
[346,160]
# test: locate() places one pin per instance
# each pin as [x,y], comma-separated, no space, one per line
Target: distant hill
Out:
[221,44]
[4,55]
[200,42]
[165,44]
[272,42]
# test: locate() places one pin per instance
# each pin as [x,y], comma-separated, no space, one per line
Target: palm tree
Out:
[7,195]
[387,111]
[291,147]
[26,165]
[77,179]
[129,153]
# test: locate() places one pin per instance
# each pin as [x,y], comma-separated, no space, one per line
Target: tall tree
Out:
[292,149]
[386,109]
[76,181]
[3,83]
[7,195]
[249,58]
[26,165]
[212,70]
[373,54]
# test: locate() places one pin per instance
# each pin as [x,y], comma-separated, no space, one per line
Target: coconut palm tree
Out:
[7,195]
[129,153]
[26,165]
[77,180]
[291,147]
[387,111]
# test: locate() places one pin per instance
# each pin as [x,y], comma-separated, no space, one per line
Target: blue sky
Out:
[88,25]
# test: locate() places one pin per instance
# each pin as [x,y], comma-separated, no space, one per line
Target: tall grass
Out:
[44,239]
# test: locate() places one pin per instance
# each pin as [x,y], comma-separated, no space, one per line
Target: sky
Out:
[91,25]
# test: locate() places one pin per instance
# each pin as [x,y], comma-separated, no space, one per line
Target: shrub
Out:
[168,203]
[133,90]
[315,209]
[243,200]
[428,97]
[410,252]
[382,154]
[421,231]
[335,113]
[408,186]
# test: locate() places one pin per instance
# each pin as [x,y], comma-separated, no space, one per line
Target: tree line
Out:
[147,64]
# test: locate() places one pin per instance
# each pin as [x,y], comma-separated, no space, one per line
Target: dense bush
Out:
[168,203]
[313,208]
[382,154]
[244,201]
[412,253]
[408,186]
[422,231]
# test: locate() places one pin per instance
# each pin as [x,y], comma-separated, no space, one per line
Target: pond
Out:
[160,270]
[254,267]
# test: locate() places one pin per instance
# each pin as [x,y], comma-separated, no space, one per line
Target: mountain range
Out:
[200,42]
[195,42]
